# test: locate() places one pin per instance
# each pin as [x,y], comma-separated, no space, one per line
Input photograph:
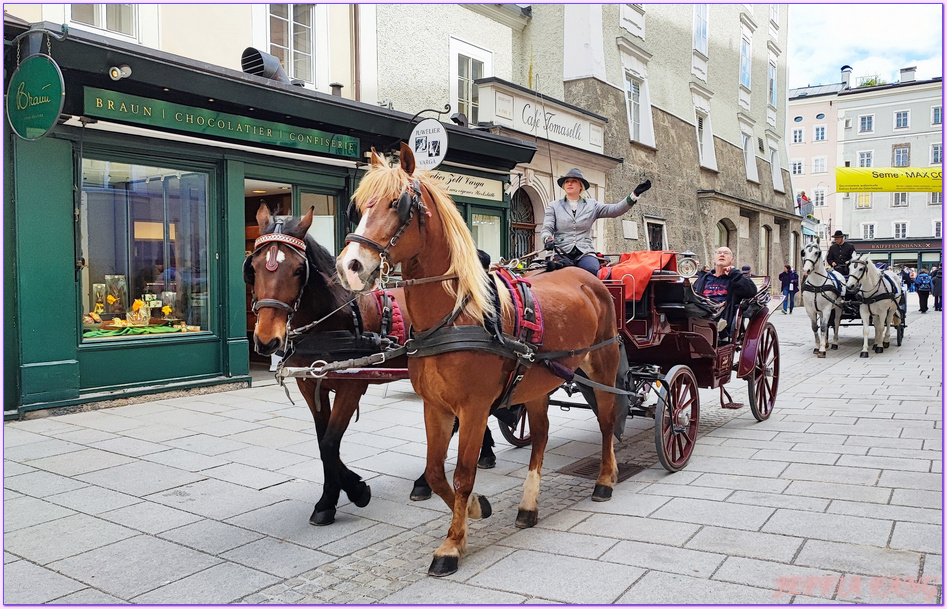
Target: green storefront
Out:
[125,227]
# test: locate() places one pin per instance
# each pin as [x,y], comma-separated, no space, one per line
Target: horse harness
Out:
[297,246]
[890,292]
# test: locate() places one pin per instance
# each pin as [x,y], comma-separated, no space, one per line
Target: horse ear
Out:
[248,270]
[407,159]
[306,222]
[263,217]
[377,161]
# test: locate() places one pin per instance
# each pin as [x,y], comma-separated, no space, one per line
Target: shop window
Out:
[116,18]
[485,228]
[291,39]
[143,232]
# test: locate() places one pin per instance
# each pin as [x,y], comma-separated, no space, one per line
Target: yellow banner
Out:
[888,179]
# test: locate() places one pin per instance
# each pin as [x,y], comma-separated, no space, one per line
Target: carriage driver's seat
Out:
[679,301]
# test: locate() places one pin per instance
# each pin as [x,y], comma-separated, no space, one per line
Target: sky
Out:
[875,39]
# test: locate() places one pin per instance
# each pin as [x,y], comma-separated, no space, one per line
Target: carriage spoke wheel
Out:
[518,434]
[676,418]
[902,312]
[764,379]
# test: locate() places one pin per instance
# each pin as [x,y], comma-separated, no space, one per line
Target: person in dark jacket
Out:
[922,285]
[725,283]
[937,289]
[840,253]
[789,281]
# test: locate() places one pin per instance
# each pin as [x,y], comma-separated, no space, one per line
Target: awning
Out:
[888,179]
[806,231]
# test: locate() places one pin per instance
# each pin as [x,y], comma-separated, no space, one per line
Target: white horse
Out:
[879,293]
[823,291]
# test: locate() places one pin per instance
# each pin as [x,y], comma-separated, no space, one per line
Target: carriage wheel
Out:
[518,434]
[764,379]
[676,418]
[902,313]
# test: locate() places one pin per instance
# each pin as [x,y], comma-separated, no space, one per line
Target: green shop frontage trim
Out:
[126,225]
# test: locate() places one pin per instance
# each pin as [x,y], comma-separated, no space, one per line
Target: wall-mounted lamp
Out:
[119,72]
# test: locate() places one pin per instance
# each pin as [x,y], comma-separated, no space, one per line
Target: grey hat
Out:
[573,173]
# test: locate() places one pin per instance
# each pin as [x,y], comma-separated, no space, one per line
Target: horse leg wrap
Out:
[443,565]
[526,518]
[601,493]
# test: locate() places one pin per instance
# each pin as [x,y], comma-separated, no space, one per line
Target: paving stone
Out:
[750,544]
[853,492]
[918,537]
[210,536]
[89,596]
[889,512]
[886,463]
[225,583]
[854,559]
[934,568]
[657,588]
[887,590]
[244,475]
[26,511]
[47,447]
[742,483]
[559,542]
[27,584]
[738,467]
[205,444]
[775,576]
[664,558]
[139,478]
[628,504]
[68,536]
[680,490]
[93,500]
[290,520]
[556,580]
[277,557]
[830,527]
[131,567]
[363,539]
[912,480]
[637,529]
[779,501]
[12,468]
[149,517]
[447,592]
[80,462]
[131,447]
[712,513]
[213,499]
[185,460]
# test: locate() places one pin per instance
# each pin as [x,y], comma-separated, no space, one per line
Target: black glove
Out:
[550,244]
[640,188]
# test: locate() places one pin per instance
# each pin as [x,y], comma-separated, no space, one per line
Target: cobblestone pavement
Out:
[837,498]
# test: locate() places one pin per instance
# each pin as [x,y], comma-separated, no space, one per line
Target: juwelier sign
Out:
[167,115]
[35,97]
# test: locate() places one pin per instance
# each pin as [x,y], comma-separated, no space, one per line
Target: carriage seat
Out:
[679,301]
[635,269]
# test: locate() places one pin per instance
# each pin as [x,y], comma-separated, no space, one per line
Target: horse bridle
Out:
[297,246]
[410,198]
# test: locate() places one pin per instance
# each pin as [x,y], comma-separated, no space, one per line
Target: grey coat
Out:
[576,231]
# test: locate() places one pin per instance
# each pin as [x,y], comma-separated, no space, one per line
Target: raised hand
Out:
[640,188]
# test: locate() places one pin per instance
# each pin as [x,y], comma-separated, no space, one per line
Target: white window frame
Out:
[867,230]
[260,37]
[774,13]
[894,229]
[866,118]
[772,83]
[937,115]
[797,167]
[775,169]
[818,130]
[937,198]
[907,157]
[818,197]
[749,157]
[865,155]
[145,20]
[746,61]
[907,119]
[664,230]
[937,154]
[633,106]
[634,61]
[289,65]
[701,28]
[459,47]
[937,228]
[820,164]
[798,136]
[863,197]
[899,199]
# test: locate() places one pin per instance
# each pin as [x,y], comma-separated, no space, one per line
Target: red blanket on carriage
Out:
[634,269]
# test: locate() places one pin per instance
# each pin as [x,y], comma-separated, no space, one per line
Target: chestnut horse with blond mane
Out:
[407,217]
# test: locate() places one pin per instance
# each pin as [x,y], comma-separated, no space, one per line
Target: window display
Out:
[143,234]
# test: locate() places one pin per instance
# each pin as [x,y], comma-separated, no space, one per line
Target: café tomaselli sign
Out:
[517,108]
[162,114]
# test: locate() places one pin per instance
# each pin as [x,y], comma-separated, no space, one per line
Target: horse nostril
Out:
[268,348]
[355,266]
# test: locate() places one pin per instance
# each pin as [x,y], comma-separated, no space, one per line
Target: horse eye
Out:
[299,272]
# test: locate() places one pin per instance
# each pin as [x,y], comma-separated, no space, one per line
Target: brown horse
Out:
[407,217]
[294,283]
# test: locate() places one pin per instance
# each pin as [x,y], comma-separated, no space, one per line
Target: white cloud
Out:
[875,39]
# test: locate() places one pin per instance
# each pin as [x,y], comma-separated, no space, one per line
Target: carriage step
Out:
[731,405]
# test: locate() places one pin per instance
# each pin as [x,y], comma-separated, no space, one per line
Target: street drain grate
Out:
[589,468]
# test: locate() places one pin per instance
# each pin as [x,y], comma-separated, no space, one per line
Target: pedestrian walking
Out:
[922,285]
[789,281]
[937,289]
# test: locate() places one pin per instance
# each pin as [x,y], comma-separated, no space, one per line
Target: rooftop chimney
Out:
[847,76]
[907,74]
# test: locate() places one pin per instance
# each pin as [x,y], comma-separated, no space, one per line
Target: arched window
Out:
[523,224]
[723,236]
[765,237]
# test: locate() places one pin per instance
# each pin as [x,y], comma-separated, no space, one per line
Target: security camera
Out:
[119,72]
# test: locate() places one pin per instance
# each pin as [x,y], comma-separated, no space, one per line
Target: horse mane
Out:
[472,295]
[319,258]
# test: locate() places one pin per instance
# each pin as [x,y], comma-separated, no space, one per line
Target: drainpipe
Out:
[356,55]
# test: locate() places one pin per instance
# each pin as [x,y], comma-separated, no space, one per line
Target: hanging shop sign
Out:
[35,97]
[888,179]
[469,186]
[177,117]
[429,143]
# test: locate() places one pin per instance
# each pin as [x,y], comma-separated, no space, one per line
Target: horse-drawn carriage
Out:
[470,350]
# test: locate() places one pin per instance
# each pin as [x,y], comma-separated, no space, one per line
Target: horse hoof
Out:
[443,565]
[321,518]
[526,518]
[421,492]
[879,349]
[362,499]
[863,354]
[486,510]
[885,345]
[601,493]
[815,350]
[487,462]
[834,347]
[821,355]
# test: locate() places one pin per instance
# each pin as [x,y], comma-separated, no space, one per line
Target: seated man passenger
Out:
[725,283]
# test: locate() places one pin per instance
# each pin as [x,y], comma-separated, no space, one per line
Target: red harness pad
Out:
[634,270]
[514,284]
[397,319]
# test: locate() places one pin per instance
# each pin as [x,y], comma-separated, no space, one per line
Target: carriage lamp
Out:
[687,264]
